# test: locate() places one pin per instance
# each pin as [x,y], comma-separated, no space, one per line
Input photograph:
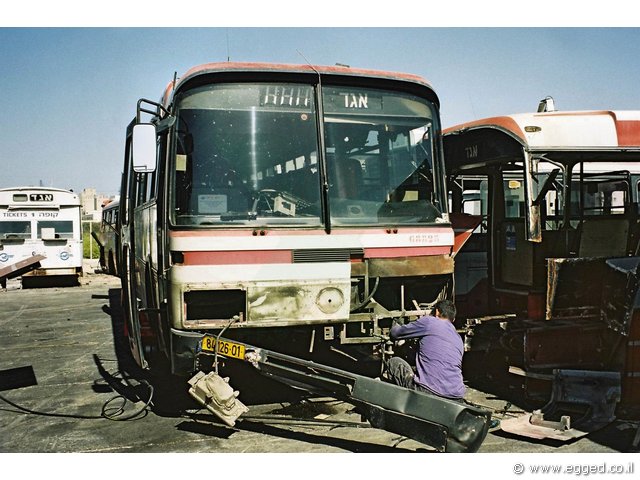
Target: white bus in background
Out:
[108,238]
[41,221]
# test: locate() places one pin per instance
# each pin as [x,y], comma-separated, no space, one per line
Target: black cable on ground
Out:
[108,412]
[114,413]
[47,414]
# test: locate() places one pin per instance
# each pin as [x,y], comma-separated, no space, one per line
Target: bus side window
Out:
[152,180]
[141,188]
[151,186]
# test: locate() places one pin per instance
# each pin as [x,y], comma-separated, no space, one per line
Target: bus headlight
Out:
[329,300]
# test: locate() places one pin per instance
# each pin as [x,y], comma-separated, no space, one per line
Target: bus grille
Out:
[327,255]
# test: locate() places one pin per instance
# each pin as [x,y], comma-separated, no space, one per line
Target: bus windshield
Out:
[247,154]
[15,229]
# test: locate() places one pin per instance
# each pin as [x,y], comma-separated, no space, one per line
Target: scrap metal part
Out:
[596,392]
[447,425]
[534,425]
[215,393]
[19,268]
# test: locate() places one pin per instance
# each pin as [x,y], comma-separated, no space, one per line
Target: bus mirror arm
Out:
[165,124]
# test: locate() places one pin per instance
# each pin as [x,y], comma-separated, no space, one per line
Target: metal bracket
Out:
[596,392]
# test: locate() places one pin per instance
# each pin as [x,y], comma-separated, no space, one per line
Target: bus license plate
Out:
[228,349]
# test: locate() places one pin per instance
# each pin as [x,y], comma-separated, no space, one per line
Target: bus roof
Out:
[240,67]
[36,189]
[564,130]
[37,197]
[567,137]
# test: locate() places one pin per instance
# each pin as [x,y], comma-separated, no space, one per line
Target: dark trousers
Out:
[400,372]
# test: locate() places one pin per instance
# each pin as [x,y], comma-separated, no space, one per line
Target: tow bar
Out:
[446,425]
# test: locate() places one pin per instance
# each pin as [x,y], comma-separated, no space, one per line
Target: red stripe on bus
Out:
[242,257]
[628,132]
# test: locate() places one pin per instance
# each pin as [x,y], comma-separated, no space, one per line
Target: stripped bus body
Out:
[548,279]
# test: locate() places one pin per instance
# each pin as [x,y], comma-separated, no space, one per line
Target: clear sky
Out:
[69,93]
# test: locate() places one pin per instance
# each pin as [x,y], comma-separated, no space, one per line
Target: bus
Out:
[41,221]
[548,276]
[109,237]
[298,208]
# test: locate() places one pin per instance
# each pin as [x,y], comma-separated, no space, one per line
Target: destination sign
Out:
[286,96]
[368,101]
[301,98]
[346,100]
[41,197]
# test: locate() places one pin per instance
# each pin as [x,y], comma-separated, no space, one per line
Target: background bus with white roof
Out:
[550,279]
[41,221]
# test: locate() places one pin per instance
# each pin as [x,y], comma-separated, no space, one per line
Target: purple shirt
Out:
[439,357]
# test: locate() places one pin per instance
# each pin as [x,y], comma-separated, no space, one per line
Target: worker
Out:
[438,357]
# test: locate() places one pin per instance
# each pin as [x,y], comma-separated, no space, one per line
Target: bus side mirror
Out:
[144,147]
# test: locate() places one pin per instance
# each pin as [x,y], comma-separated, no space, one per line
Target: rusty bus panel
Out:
[574,287]
[620,290]
[622,314]
[408,266]
[556,347]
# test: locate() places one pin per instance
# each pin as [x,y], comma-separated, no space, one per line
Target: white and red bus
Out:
[41,221]
[300,207]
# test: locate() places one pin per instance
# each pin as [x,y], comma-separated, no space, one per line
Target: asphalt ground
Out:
[63,389]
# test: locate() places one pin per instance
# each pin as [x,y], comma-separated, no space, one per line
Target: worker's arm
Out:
[410,330]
